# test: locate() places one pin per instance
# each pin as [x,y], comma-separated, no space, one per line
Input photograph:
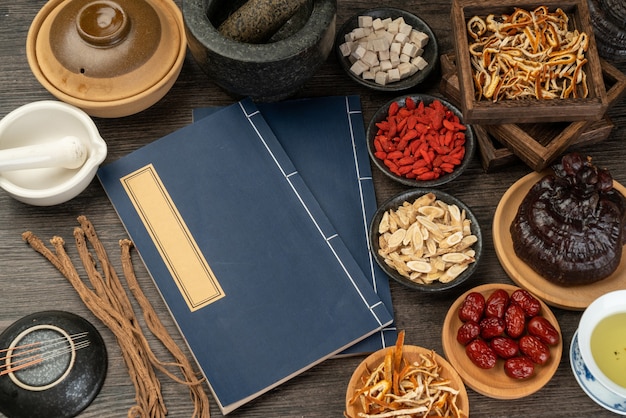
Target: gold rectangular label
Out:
[175,243]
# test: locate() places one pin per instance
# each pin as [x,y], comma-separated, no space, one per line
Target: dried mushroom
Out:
[570,227]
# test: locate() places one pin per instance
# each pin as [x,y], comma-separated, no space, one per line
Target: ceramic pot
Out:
[110,58]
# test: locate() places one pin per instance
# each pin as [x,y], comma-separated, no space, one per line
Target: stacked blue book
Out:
[252,222]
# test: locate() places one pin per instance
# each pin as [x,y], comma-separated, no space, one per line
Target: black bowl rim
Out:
[410,195]
[392,12]
[470,142]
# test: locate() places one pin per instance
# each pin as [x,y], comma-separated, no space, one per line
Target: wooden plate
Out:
[494,383]
[410,353]
[565,297]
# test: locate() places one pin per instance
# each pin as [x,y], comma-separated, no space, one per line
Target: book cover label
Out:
[172,238]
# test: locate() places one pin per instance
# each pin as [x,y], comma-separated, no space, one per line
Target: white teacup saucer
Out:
[593,388]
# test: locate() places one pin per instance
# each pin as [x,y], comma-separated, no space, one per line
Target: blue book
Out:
[256,277]
[325,139]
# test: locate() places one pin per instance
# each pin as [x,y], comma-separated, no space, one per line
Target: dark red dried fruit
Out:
[491,327]
[481,354]
[515,320]
[519,367]
[541,328]
[504,347]
[467,332]
[528,302]
[537,351]
[472,308]
[497,303]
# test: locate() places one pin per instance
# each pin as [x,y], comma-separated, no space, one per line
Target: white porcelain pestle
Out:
[68,152]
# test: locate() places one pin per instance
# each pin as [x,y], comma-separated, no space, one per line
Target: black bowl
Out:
[381,114]
[410,196]
[430,54]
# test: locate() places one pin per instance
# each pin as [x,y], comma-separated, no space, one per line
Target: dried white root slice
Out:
[456,258]
[452,273]
[420,266]
[432,212]
[451,240]
[384,223]
[396,238]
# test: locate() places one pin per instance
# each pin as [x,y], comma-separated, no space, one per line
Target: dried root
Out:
[109,302]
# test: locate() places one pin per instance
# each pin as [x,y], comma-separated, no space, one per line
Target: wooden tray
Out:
[536,144]
[532,110]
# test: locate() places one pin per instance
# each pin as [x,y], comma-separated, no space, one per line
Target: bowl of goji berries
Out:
[420,140]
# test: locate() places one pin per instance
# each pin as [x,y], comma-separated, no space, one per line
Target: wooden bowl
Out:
[494,383]
[527,110]
[410,353]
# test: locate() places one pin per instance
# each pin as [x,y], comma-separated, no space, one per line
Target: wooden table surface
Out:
[30,284]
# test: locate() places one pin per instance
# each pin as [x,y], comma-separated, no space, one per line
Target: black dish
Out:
[56,388]
[431,51]
[409,196]
[381,114]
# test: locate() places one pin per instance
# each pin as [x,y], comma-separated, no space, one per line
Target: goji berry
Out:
[402,144]
[383,125]
[450,160]
[429,175]
[393,109]
[447,167]
[406,160]
[401,124]
[404,169]
[419,163]
[394,155]
[410,103]
[377,146]
[421,170]
[411,134]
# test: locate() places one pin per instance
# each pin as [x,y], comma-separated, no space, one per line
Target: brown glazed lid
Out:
[104,50]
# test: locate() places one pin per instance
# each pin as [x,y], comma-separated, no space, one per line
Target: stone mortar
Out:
[265,72]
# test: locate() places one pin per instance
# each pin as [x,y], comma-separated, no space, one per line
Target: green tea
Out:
[608,347]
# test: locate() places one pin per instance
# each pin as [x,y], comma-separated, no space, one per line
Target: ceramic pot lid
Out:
[104,50]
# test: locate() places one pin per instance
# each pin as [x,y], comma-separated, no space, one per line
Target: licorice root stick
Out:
[199,397]
[110,303]
[148,384]
[148,394]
